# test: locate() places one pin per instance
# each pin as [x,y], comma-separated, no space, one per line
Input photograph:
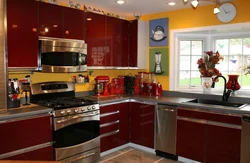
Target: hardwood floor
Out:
[133,155]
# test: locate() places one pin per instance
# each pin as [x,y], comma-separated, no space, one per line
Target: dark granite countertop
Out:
[24,111]
[178,101]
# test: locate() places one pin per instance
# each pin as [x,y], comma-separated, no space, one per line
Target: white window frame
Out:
[209,44]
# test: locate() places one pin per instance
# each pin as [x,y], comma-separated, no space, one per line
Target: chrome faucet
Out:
[226,93]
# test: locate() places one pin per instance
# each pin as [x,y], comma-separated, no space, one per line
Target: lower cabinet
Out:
[27,138]
[114,128]
[142,124]
[208,137]
[127,122]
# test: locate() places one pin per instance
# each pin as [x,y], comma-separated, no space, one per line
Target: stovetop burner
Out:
[66,102]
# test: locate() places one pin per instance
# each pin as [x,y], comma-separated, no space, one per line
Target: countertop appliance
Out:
[101,86]
[63,55]
[245,139]
[76,121]
[166,131]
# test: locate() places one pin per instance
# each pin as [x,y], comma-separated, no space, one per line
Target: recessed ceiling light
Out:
[171,3]
[120,2]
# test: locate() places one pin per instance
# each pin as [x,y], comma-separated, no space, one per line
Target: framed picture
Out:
[158,32]
[159,61]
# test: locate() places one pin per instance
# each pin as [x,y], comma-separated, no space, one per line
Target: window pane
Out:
[195,78]
[246,46]
[184,78]
[194,65]
[196,47]
[222,46]
[223,65]
[235,46]
[185,47]
[234,63]
[184,62]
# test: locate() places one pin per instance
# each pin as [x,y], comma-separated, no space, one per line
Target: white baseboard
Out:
[150,150]
[114,149]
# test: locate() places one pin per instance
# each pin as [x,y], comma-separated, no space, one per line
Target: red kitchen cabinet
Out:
[133,43]
[138,42]
[24,133]
[114,128]
[22,33]
[113,42]
[142,124]
[125,43]
[190,140]
[222,144]
[207,136]
[42,154]
[95,39]
[50,20]
[73,21]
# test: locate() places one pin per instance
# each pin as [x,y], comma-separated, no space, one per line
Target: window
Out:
[236,53]
[190,52]
[188,45]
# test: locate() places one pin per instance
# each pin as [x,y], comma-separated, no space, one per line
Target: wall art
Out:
[159,61]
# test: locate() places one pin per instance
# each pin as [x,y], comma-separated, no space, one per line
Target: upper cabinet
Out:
[95,39]
[113,42]
[50,20]
[138,43]
[73,20]
[22,33]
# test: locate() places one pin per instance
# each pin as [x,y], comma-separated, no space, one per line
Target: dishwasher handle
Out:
[165,109]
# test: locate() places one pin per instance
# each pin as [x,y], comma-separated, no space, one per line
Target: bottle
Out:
[158,89]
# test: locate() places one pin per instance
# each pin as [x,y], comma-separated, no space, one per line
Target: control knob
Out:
[89,108]
[76,110]
[83,108]
[93,107]
[63,112]
[68,111]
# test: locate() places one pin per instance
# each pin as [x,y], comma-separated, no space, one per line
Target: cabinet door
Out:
[142,124]
[124,122]
[50,20]
[125,43]
[31,132]
[22,33]
[222,144]
[113,41]
[190,140]
[95,39]
[42,154]
[73,23]
[133,43]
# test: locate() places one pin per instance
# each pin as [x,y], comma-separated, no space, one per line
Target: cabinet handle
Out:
[110,133]
[165,109]
[219,124]
[144,115]
[109,124]
[110,113]
[78,116]
[192,120]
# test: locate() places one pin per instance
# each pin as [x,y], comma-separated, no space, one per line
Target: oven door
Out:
[76,134]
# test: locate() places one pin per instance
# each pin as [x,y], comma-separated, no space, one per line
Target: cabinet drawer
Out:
[25,133]
[217,117]
[109,108]
[109,127]
[114,116]
[42,154]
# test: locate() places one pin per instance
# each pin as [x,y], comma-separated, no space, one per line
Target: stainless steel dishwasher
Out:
[245,139]
[165,144]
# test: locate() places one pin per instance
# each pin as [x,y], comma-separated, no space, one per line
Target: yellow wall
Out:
[186,18]
[201,16]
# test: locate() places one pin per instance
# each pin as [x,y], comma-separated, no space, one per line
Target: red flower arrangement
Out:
[207,64]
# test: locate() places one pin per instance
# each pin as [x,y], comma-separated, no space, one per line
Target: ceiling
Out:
[143,7]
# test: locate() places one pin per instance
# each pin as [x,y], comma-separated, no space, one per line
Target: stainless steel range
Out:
[76,121]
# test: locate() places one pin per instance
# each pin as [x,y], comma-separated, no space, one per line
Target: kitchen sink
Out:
[213,102]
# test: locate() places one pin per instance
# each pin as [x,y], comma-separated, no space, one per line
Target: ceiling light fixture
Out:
[185,1]
[195,3]
[120,2]
[171,3]
[216,9]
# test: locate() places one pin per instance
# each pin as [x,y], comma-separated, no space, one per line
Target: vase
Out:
[232,83]
[206,84]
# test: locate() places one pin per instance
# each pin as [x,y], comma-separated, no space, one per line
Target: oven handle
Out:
[82,157]
[78,116]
